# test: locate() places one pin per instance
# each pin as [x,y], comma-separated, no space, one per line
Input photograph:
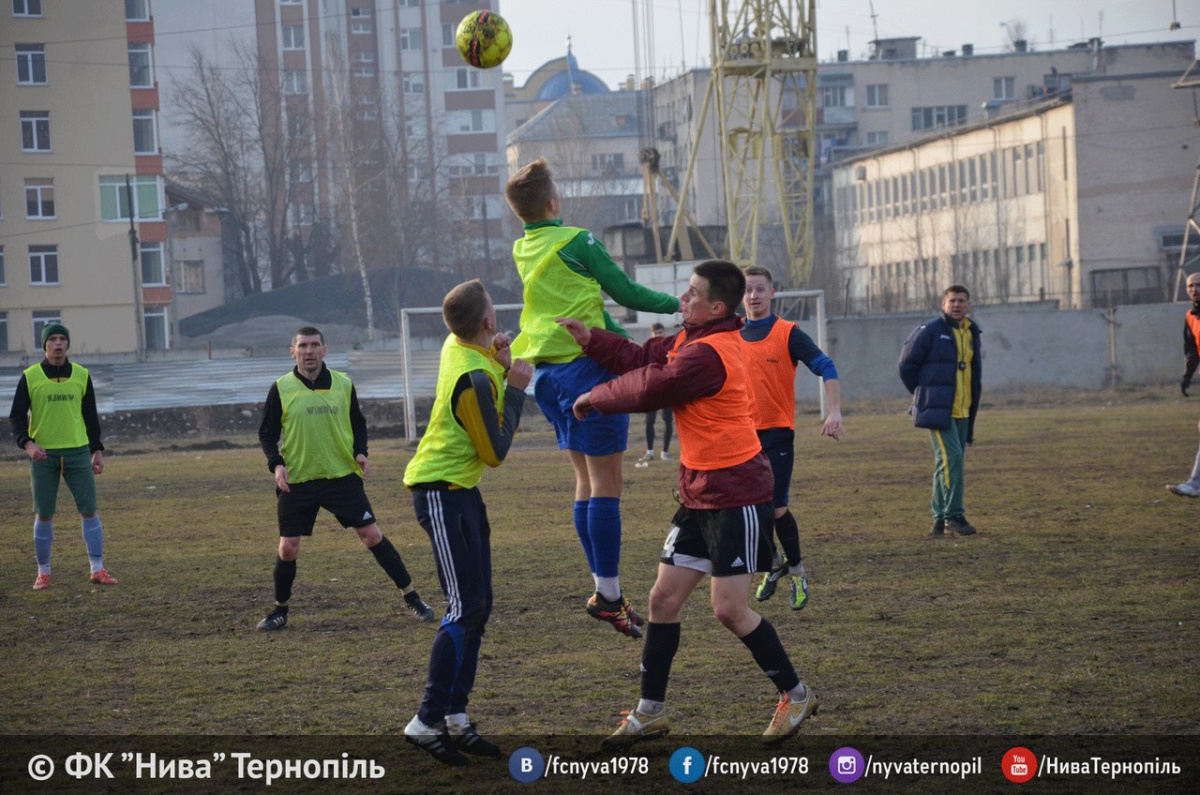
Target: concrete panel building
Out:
[1077,200]
[81,227]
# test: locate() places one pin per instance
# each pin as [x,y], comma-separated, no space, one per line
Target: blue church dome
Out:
[559,85]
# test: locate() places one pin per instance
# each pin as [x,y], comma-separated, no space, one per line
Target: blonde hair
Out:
[529,190]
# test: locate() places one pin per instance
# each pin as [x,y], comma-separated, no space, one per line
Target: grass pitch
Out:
[1073,610]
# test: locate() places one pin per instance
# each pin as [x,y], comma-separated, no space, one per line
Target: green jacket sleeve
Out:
[587,255]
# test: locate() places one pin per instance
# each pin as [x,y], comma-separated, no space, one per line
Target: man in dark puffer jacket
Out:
[941,365]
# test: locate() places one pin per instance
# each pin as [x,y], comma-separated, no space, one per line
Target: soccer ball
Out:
[484,39]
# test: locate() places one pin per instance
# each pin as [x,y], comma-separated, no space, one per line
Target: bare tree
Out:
[245,140]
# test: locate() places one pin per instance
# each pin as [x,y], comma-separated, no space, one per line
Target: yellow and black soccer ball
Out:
[484,39]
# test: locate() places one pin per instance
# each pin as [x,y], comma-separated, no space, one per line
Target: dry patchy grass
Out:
[1073,610]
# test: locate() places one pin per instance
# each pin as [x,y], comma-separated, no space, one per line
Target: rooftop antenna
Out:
[874,16]
[1174,18]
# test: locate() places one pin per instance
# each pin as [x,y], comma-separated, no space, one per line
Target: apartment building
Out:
[81,196]
[1080,200]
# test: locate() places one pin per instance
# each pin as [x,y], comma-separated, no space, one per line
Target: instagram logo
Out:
[1019,765]
[846,765]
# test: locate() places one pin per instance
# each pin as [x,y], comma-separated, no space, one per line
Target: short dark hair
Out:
[308,331]
[759,270]
[464,308]
[530,189]
[956,288]
[726,282]
[656,326]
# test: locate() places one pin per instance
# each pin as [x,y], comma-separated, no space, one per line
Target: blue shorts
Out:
[557,386]
[778,444]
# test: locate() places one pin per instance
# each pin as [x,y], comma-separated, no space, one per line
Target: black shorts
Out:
[778,445]
[721,541]
[343,497]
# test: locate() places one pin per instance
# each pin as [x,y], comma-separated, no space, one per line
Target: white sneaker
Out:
[667,456]
[1185,489]
[649,456]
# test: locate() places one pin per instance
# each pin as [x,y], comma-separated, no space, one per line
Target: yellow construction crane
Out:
[764,79]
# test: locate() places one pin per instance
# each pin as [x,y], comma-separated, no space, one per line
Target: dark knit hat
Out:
[54,328]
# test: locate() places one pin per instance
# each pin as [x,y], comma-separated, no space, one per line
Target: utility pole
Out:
[138,320]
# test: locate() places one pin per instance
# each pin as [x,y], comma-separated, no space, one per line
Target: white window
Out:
[1004,88]
[414,83]
[155,324]
[295,82]
[290,2]
[365,57]
[410,39]
[27,8]
[364,71]
[154,273]
[35,131]
[137,10]
[300,171]
[631,208]
[878,138]
[115,199]
[614,161]
[938,117]
[4,330]
[293,37]
[467,121]
[43,317]
[360,13]
[191,275]
[833,97]
[360,27]
[414,126]
[145,132]
[141,66]
[877,95]
[31,64]
[39,198]
[303,214]
[43,265]
[467,78]
[409,3]
[448,36]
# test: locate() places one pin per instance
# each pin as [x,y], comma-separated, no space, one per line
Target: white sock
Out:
[609,588]
[457,721]
[798,693]
[648,707]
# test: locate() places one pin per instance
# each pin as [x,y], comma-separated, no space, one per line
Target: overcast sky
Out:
[603,34]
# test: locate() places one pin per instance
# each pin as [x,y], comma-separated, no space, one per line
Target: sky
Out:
[603,36]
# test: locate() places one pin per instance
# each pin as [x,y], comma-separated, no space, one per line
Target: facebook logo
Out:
[687,765]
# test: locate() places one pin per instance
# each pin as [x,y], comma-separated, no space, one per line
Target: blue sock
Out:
[93,538]
[581,527]
[43,536]
[604,529]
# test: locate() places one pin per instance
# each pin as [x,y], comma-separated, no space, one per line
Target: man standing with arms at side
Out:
[657,330]
[315,438]
[1191,357]
[55,422]
[941,365]
[773,347]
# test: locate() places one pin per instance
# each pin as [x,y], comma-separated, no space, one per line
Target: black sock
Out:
[771,657]
[789,537]
[389,559]
[662,641]
[285,575]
